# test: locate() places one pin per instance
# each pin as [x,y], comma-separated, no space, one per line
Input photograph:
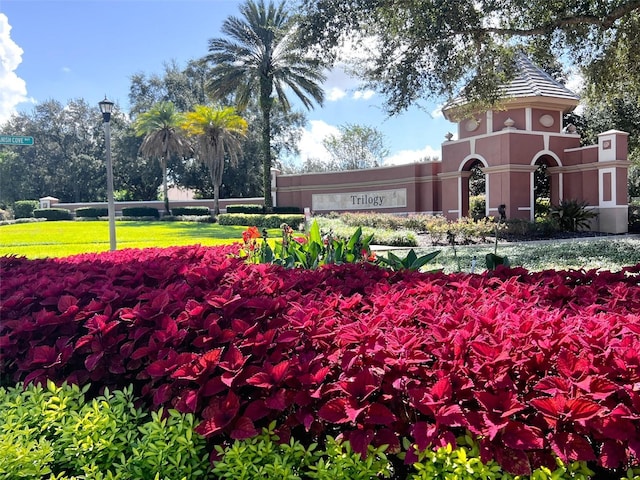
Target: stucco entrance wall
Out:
[396,189]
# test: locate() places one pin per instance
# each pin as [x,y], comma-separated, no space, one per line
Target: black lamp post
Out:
[106,107]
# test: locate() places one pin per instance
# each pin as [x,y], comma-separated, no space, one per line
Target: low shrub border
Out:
[140,212]
[91,212]
[53,214]
[260,220]
[534,365]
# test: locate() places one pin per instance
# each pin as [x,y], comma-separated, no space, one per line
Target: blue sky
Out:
[66,49]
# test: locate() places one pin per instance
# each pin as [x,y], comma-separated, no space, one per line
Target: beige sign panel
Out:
[373,200]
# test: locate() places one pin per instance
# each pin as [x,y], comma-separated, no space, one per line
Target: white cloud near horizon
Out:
[412,156]
[13,89]
[310,144]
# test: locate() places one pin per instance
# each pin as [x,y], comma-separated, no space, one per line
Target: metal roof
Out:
[530,82]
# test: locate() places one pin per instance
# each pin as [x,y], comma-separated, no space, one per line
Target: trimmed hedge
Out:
[53,214]
[191,211]
[140,212]
[91,212]
[24,208]
[265,221]
[287,210]
[245,209]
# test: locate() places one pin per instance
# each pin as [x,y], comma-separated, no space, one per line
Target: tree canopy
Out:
[416,49]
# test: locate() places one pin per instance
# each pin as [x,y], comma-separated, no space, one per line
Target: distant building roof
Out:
[531,82]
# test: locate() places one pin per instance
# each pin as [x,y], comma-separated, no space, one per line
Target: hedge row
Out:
[260,220]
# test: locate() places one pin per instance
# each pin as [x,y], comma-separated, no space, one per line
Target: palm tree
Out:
[261,58]
[219,132]
[163,138]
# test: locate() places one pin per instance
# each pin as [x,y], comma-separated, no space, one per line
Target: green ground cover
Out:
[607,253]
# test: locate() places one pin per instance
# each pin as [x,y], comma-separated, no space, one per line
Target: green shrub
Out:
[140,212]
[58,431]
[286,210]
[53,214]
[477,207]
[91,212]
[572,215]
[252,209]
[263,457]
[190,211]
[464,463]
[25,208]
[263,221]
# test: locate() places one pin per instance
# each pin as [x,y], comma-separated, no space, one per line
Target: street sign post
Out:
[15,140]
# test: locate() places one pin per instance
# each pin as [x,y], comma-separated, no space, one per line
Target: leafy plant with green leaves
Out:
[572,215]
[57,431]
[410,262]
[264,457]
[310,251]
[463,462]
[339,462]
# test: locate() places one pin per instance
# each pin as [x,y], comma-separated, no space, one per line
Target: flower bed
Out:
[534,365]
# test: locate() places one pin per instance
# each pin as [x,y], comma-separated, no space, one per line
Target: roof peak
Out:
[529,82]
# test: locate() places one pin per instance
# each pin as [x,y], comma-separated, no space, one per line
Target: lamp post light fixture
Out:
[106,107]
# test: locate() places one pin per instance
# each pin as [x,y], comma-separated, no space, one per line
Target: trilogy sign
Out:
[360,200]
[15,140]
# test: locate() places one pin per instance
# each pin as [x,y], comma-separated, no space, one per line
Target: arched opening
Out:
[542,181]
[474,203]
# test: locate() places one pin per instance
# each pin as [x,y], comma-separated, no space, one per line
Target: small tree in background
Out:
[163,138]
[218,133]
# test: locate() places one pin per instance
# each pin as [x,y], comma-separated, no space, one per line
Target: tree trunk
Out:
[165,187]
[216,200]
[265,105]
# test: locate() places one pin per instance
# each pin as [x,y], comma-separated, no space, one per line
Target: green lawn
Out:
[59,239]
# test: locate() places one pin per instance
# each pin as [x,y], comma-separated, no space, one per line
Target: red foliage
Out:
[534,364]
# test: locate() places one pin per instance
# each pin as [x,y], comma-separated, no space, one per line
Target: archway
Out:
[544,185]
[474,189]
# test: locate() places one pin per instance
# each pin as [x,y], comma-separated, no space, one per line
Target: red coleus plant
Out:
[535,365]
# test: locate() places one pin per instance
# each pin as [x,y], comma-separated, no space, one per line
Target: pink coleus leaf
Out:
[571,447]
[519,436]
[243,428]
[515,462]
[360,440]
[553,385]
[379,414]
[340,410]
[424,434]
[612,454]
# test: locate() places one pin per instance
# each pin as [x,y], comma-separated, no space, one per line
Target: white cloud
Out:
[363,94]
[13,89]
[66,70]
[411,156]
[334,94]
[575,81]
[310,144]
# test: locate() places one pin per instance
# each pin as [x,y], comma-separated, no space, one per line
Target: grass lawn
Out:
[60,239]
